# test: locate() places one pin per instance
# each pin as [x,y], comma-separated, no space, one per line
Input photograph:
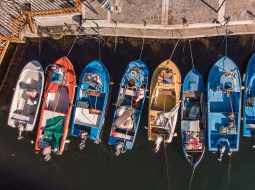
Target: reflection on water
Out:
[95,167]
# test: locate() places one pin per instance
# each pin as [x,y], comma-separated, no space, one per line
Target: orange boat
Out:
[56,108]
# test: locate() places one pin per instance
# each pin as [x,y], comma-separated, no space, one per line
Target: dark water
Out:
[95,168]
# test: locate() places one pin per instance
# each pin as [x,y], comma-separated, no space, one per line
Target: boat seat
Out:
[83,104]
[92,93]
[250,126]
[95,111]
[166,92]
[131,92]
[192,94]
[122,136]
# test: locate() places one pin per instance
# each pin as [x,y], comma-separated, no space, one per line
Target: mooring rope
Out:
[184,44]
[141,53]
[229,171]
[221,45]
[105,149]
[191,54]
[71,46]
[115,43]
[167,172]
[191,179]
[174,49]
[253,38]
[39,46]
[226,47]
[99,49]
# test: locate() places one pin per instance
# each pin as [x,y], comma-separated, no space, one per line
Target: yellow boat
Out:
[164,103]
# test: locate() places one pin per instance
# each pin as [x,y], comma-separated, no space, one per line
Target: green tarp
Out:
[53,131]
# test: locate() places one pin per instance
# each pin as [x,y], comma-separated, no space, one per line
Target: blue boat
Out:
[248,104]
[91,103]
[224,107]
[129,106]
[193,117]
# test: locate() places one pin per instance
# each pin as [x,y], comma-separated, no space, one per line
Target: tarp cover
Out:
[53,131]
[168,120]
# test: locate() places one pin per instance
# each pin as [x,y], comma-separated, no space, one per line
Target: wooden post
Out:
[31,22]
[3,47]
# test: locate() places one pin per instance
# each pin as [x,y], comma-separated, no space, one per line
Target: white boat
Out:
[27,98]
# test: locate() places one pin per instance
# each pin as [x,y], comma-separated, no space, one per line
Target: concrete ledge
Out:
[58,20]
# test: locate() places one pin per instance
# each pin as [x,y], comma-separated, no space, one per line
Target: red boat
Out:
[56,108]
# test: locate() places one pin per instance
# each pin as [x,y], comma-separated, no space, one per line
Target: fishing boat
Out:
[249,103]
[164,103]
[129,106]
[193,117]
[91,102]
[27,98]
[224,107]
[56,108]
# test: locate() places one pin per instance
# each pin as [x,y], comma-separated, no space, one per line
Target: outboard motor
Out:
[83,135]
[158,141]
[222,150]
[21,128]
[47,153]
[119,148]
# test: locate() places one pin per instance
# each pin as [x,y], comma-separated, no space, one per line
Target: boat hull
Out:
[56,107]
[135,71]
[193,117]
[248,103]
[27,97]
[97,98]
[224,105]
[160,103]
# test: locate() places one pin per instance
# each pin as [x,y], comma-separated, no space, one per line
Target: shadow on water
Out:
[141,168]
